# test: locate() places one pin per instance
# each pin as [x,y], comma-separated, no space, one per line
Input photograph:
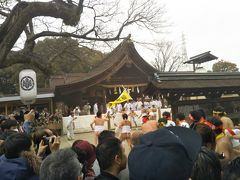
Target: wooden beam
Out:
[204,101]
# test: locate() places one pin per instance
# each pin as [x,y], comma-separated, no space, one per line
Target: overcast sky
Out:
[208,25]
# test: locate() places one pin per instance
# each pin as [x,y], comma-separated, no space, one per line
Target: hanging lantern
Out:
[28,86]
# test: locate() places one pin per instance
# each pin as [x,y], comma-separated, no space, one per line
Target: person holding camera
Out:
[45,142]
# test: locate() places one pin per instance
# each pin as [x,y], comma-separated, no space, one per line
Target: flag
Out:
[122,98]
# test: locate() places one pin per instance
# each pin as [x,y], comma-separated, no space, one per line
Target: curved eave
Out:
[139,61]
[124,53]
[195,84]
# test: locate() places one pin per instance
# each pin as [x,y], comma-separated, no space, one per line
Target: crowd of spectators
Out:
[171,151]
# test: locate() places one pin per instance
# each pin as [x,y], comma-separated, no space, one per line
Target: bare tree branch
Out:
[22,14]
[168,58]
[18,57]
[66,34]
[101,21]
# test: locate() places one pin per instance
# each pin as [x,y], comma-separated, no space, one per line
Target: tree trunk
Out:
[22,14]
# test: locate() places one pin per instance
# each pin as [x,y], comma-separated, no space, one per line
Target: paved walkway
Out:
[65,143]
[83,136]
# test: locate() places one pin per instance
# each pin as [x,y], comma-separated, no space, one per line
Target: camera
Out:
[47,139]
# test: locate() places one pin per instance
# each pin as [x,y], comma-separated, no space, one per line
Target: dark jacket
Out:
[106,176]
[16,169]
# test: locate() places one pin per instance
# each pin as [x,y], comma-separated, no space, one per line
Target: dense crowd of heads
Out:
[199,151]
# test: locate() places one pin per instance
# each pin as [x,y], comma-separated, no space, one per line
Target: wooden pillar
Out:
[172,100]
[174,109]
[6,109]
[194,67]
[213,97]
[51,106]
[105,109]
[105,101]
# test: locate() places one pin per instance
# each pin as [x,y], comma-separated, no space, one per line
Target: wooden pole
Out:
[6,111]
[51,106]
[194,67]
[105,105]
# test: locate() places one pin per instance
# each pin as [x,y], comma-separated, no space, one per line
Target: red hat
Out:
[85,151]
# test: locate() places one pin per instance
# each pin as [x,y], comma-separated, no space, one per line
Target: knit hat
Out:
[168,154]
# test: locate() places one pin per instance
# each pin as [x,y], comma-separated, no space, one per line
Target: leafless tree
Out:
[168,57]
[22,23]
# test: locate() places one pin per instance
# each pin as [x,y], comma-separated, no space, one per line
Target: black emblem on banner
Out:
[27,83]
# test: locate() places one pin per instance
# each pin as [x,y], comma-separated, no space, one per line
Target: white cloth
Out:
[95,108]
[146,104]
[152,113]
[99,128]
[70,126]
[184,124]
[152,103]
[139,105]
[89,110]
[110,111]
[235,142]
[119,107]
[170,123]
[70,134]
[127,106]
[76,111]
[126,129]
[158,104]
[134,106]
[70,123]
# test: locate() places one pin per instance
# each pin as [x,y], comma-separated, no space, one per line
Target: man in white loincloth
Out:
[125,125]
[99,125]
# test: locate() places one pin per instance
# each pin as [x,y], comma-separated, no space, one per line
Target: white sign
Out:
[28,86]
